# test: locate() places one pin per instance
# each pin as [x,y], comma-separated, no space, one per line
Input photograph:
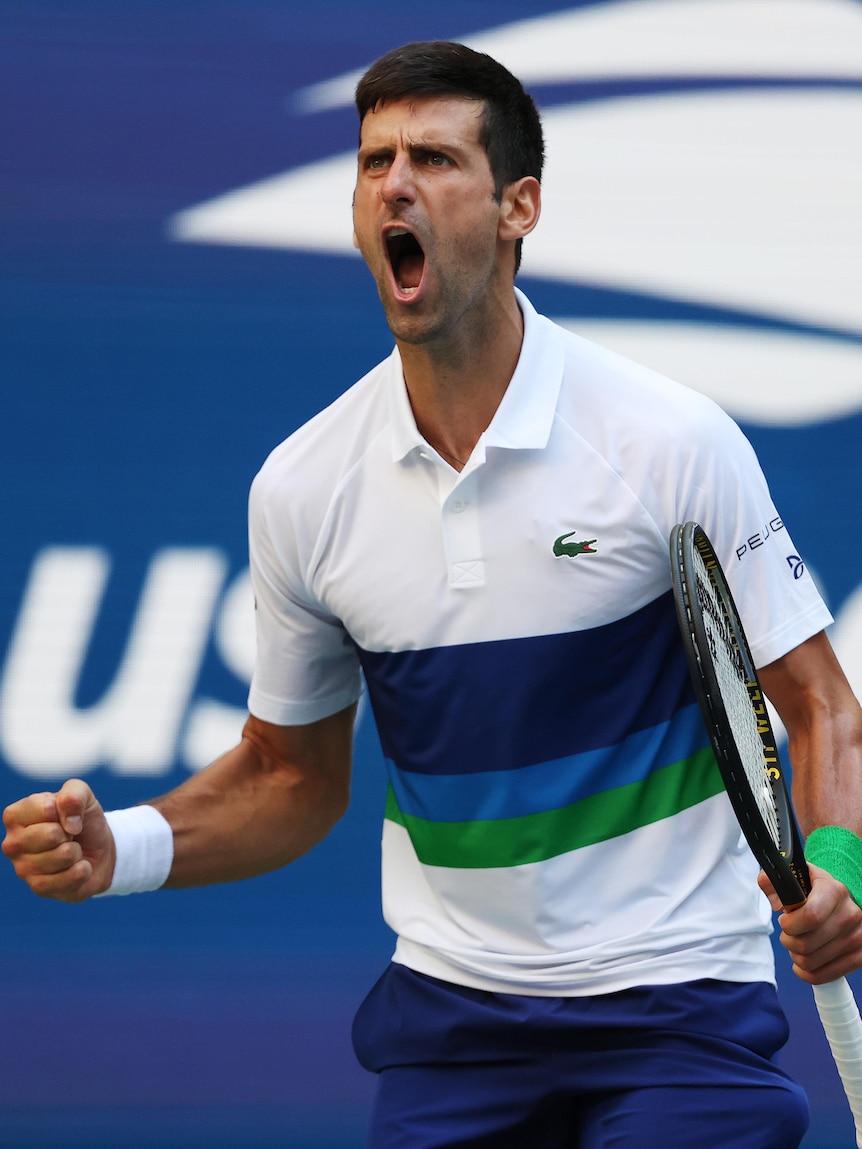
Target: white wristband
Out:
[144,843]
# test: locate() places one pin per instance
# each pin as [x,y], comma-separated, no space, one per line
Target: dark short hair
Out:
[511,130]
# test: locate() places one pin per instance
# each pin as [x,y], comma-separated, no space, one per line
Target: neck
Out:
[455,389]
[458,464]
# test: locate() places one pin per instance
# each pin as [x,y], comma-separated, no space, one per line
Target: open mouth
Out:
[406,258]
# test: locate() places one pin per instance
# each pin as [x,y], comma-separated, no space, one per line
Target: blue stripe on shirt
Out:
[503,705]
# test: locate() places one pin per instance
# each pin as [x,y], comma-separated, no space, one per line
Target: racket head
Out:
[734,710]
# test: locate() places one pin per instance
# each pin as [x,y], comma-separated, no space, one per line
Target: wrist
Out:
[144,849]
[839,852]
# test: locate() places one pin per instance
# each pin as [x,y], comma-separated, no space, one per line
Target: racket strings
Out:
[733,688]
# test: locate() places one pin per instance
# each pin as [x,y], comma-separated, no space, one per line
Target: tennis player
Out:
[478,528]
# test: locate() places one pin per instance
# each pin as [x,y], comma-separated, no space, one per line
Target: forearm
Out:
[261,805]
[238,818]
[824,727]
[826,759]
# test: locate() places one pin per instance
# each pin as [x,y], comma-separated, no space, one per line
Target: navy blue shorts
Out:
[659,1067]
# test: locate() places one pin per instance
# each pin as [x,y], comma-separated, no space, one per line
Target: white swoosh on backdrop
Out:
[635,38]
[742,199]
[770,378]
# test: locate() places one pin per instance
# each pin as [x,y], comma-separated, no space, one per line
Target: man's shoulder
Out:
[617,390]
[332,440]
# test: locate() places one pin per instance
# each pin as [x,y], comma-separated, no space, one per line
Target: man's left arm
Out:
[824,726]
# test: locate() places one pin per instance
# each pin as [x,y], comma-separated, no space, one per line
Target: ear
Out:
[520,207]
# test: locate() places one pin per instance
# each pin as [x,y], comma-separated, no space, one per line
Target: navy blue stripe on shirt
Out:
[503,705]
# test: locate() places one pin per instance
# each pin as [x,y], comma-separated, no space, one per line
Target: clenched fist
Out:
[60,844]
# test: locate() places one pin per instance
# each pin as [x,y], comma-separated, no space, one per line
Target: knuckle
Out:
[57,887]
[26,811]
[60,859]
[53,835]
[11,816]
[817,914]
[40,884]
[799,948]
[67,854]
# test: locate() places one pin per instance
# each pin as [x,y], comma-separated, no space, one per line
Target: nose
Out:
[398,185]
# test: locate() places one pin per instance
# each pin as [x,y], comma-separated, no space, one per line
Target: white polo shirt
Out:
[555,821]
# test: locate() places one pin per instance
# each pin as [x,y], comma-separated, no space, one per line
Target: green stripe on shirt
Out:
[537,837]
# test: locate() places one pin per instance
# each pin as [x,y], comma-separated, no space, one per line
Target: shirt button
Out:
[458,506]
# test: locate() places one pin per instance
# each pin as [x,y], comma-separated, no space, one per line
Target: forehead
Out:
[437,119]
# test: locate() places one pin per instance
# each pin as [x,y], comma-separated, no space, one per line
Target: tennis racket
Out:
[734,710]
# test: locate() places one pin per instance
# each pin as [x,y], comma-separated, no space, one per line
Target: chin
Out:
[408,326]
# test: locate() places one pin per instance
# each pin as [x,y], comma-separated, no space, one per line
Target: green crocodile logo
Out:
[561,547]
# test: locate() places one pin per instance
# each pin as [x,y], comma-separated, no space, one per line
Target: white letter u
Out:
[135,726]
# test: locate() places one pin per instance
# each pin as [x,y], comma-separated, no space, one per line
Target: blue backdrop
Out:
[177,293]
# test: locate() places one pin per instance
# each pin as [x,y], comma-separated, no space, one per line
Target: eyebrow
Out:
[417,147]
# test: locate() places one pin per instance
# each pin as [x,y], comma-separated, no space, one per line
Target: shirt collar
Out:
[526,413]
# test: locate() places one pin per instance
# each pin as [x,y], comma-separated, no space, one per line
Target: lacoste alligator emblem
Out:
[561,547]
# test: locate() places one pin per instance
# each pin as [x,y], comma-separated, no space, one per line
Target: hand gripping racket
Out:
[734,710]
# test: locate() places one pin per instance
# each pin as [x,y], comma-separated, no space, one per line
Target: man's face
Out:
[425,217]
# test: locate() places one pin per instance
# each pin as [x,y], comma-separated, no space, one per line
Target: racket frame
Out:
[783,862]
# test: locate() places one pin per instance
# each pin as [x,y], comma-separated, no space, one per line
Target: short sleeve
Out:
[775,595]
[306,665]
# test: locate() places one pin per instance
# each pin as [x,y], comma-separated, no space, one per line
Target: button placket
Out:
[461,534]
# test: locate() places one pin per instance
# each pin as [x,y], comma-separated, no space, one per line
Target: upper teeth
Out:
[396,231]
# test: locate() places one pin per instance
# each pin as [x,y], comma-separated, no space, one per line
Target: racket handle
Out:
[843,1027]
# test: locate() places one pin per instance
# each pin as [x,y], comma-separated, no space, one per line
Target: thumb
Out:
[74,800]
